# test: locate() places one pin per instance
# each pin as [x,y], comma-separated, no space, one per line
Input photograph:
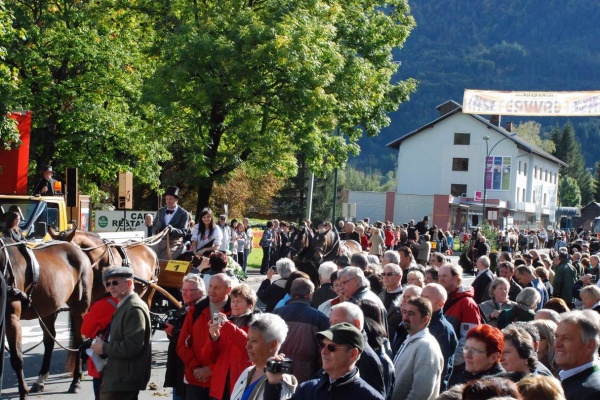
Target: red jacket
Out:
[229,357]
[95,320]
[389,238]
[192,340]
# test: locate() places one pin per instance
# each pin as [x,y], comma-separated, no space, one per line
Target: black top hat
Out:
[172,191]
[48,169]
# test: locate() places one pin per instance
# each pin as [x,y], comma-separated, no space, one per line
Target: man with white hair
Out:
[483,280]
[194,336]
[325,291]
[440,328]
[356,287]
[575,351]
[369,364]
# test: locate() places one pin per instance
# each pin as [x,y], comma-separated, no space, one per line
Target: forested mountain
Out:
[546,45]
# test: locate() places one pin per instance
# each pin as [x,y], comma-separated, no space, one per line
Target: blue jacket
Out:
[300,345]
[444,333]
[538,285]
[349,386]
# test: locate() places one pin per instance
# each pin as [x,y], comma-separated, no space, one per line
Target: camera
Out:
[218,319]
[279,367]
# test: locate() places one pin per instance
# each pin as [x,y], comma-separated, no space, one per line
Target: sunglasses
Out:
[389,274]
[330,347]
[111,283]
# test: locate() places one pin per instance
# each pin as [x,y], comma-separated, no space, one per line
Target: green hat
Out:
[344,333]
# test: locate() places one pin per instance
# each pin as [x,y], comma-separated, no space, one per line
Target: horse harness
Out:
[7,271]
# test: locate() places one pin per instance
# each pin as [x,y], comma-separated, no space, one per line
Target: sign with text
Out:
[497,173]
[119,221]
[552,104]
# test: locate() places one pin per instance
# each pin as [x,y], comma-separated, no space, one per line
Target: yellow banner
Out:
[551,104]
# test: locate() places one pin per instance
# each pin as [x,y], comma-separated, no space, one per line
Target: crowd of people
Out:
[398,324]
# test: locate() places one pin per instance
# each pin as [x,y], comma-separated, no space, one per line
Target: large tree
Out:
[257,82]
[9,136]
[568,150]
[81,65]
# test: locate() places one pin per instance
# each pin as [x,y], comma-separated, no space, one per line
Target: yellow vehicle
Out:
[37,213]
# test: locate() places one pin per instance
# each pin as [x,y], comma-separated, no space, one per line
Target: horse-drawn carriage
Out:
[38,281]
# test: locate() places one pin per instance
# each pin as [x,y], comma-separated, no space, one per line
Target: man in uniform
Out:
[177,219]
[128,350]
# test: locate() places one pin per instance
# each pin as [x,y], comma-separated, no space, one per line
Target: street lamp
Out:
[487,155]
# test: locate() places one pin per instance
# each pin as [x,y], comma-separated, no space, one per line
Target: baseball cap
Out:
[343,333]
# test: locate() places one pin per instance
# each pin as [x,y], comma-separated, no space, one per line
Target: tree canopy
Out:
[255,83]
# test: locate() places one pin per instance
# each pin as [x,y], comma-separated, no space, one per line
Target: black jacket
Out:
[350,386]
[584,385]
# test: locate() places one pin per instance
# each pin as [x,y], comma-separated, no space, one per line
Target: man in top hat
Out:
[177,219]
[128,350]
[45,186]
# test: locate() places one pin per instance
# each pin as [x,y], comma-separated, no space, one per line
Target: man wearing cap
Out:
[177,219]
[341,346]
[45,186]
[129,346]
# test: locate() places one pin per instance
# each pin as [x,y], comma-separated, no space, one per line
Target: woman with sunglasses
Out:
[266,333]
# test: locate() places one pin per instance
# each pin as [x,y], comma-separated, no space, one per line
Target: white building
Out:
[442,172]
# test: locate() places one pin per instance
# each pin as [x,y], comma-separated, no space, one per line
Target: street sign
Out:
[478,195]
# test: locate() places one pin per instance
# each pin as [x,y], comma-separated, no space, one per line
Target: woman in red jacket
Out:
[227,350]
[96,322]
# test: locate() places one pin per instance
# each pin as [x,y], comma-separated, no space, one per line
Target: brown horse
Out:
[65,277]
[103,254]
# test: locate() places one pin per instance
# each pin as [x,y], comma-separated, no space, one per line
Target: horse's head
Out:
[301,242]
[64,236]
[323,245]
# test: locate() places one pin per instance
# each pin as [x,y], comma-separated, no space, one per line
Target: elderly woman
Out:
[519,356]
[271,292]
[416,278]
[338,287]
[228,342]
[545,350]
[482,352]
[590,296]
[491,309]
[527,302]
[266,333]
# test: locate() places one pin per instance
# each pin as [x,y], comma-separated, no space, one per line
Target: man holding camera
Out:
[341,346]
[194,336]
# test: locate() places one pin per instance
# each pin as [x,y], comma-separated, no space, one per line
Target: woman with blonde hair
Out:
[545,350]
[376,242]
[491,309]
[540,387]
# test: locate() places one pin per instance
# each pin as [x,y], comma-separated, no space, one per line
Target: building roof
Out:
[456,108]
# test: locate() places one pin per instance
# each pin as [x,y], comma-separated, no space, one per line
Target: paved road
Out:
[59,381]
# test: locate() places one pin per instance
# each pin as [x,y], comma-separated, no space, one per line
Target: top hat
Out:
[48,169]
[172,191]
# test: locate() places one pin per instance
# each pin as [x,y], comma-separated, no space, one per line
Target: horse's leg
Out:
[49,335]
[73,358]
[14,338]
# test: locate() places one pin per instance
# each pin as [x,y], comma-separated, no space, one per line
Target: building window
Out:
[462,139]
[545,198]
[525,169]
[523,197]
[518,191]
[535,172]
[460,164]
[519,167]
[546,176]
[457,190]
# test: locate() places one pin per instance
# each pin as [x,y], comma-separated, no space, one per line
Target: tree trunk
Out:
[205,187]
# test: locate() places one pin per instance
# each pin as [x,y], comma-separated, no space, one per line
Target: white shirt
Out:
[168,217]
